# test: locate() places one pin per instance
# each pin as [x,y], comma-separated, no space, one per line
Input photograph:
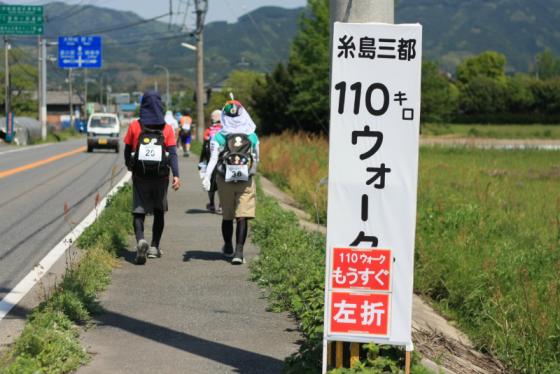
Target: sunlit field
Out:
[488,239]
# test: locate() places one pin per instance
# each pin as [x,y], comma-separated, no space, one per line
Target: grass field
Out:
[487,241]
[493,131]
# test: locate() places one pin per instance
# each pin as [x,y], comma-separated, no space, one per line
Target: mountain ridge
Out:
[260,39]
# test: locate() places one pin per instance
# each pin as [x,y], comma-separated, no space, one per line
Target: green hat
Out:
[232,108]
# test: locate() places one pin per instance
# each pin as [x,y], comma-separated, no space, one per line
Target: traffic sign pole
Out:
[7,76]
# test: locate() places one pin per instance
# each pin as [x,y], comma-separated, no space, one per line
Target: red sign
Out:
[359,313]
[361,268]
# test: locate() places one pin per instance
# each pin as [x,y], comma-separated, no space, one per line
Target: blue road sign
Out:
[79,52]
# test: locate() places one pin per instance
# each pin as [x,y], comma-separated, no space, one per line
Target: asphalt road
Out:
[33,199]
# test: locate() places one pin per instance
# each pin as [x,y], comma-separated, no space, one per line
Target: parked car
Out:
[103,131]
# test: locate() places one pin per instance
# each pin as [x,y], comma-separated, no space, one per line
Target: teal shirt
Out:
[220,138]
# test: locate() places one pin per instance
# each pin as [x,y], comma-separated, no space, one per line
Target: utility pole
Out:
[7,76]
[42,97]
[108,91]
[167,98]
[39,81]
[359,11]
[201,9]
[70,97]
[85,89]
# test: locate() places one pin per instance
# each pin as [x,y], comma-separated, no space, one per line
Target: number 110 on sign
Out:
[373,91]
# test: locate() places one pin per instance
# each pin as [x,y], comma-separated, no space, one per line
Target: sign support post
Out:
[7,76]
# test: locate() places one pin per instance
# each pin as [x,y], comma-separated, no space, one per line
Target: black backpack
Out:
[236,159]
[151,160]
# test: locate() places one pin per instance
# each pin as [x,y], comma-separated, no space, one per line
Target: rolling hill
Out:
[453,29]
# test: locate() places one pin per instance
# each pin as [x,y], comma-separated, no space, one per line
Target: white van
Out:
[103,130]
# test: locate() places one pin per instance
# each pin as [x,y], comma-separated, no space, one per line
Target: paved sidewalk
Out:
[190,311]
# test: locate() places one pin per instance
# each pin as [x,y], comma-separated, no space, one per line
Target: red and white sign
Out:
[373,174]
[360,313]
[361,269]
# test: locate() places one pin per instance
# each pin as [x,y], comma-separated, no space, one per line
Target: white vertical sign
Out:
[373,172]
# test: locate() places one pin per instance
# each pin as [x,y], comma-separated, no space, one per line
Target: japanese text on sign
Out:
[360,313]
[403,49]
[357,268]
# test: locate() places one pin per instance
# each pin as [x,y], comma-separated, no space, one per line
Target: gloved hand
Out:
[206,184]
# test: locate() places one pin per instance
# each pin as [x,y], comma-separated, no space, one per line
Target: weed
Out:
[49,342]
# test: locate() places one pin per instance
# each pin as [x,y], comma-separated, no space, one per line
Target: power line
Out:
[135,42]
[67,13]
[23,67]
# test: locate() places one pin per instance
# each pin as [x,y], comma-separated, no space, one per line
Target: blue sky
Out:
[223,10]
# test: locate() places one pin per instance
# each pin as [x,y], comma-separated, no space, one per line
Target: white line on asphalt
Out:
[27,148]
[27,283]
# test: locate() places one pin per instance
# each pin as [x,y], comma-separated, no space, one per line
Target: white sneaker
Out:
[141,249]
[154,252]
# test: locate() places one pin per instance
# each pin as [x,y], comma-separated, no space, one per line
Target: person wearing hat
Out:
[234,151]
[150,151]
[185,132]
[209,133]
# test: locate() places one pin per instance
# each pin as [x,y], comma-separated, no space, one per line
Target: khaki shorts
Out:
[238,199]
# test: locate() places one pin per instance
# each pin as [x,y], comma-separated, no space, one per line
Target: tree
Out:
[547,96]
[519,97]
[241,84]
[489,64]
[439,95]
[272,97]
[309,67]
[482,95]
[548,65]
[23,83]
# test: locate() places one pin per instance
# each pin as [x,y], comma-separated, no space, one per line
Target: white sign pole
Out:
[373,172]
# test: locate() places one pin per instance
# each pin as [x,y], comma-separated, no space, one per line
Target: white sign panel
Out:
[373,172]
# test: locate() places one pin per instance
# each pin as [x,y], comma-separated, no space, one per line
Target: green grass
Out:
[487,242]
[196,147]
[488,249]
[50,342]
[291,266]
[536,131]
[59,136]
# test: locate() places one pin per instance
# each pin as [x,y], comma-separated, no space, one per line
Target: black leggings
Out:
[157,227]
[240,233]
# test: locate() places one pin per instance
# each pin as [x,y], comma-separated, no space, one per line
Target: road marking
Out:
[36,164]
[27,283]
[26,148]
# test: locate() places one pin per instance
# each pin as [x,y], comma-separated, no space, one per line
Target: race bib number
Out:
[237,173]
[150,152]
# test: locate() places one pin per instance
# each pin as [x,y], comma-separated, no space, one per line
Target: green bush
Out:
[49,344]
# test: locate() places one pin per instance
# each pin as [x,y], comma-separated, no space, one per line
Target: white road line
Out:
[27,283]
[27,148]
